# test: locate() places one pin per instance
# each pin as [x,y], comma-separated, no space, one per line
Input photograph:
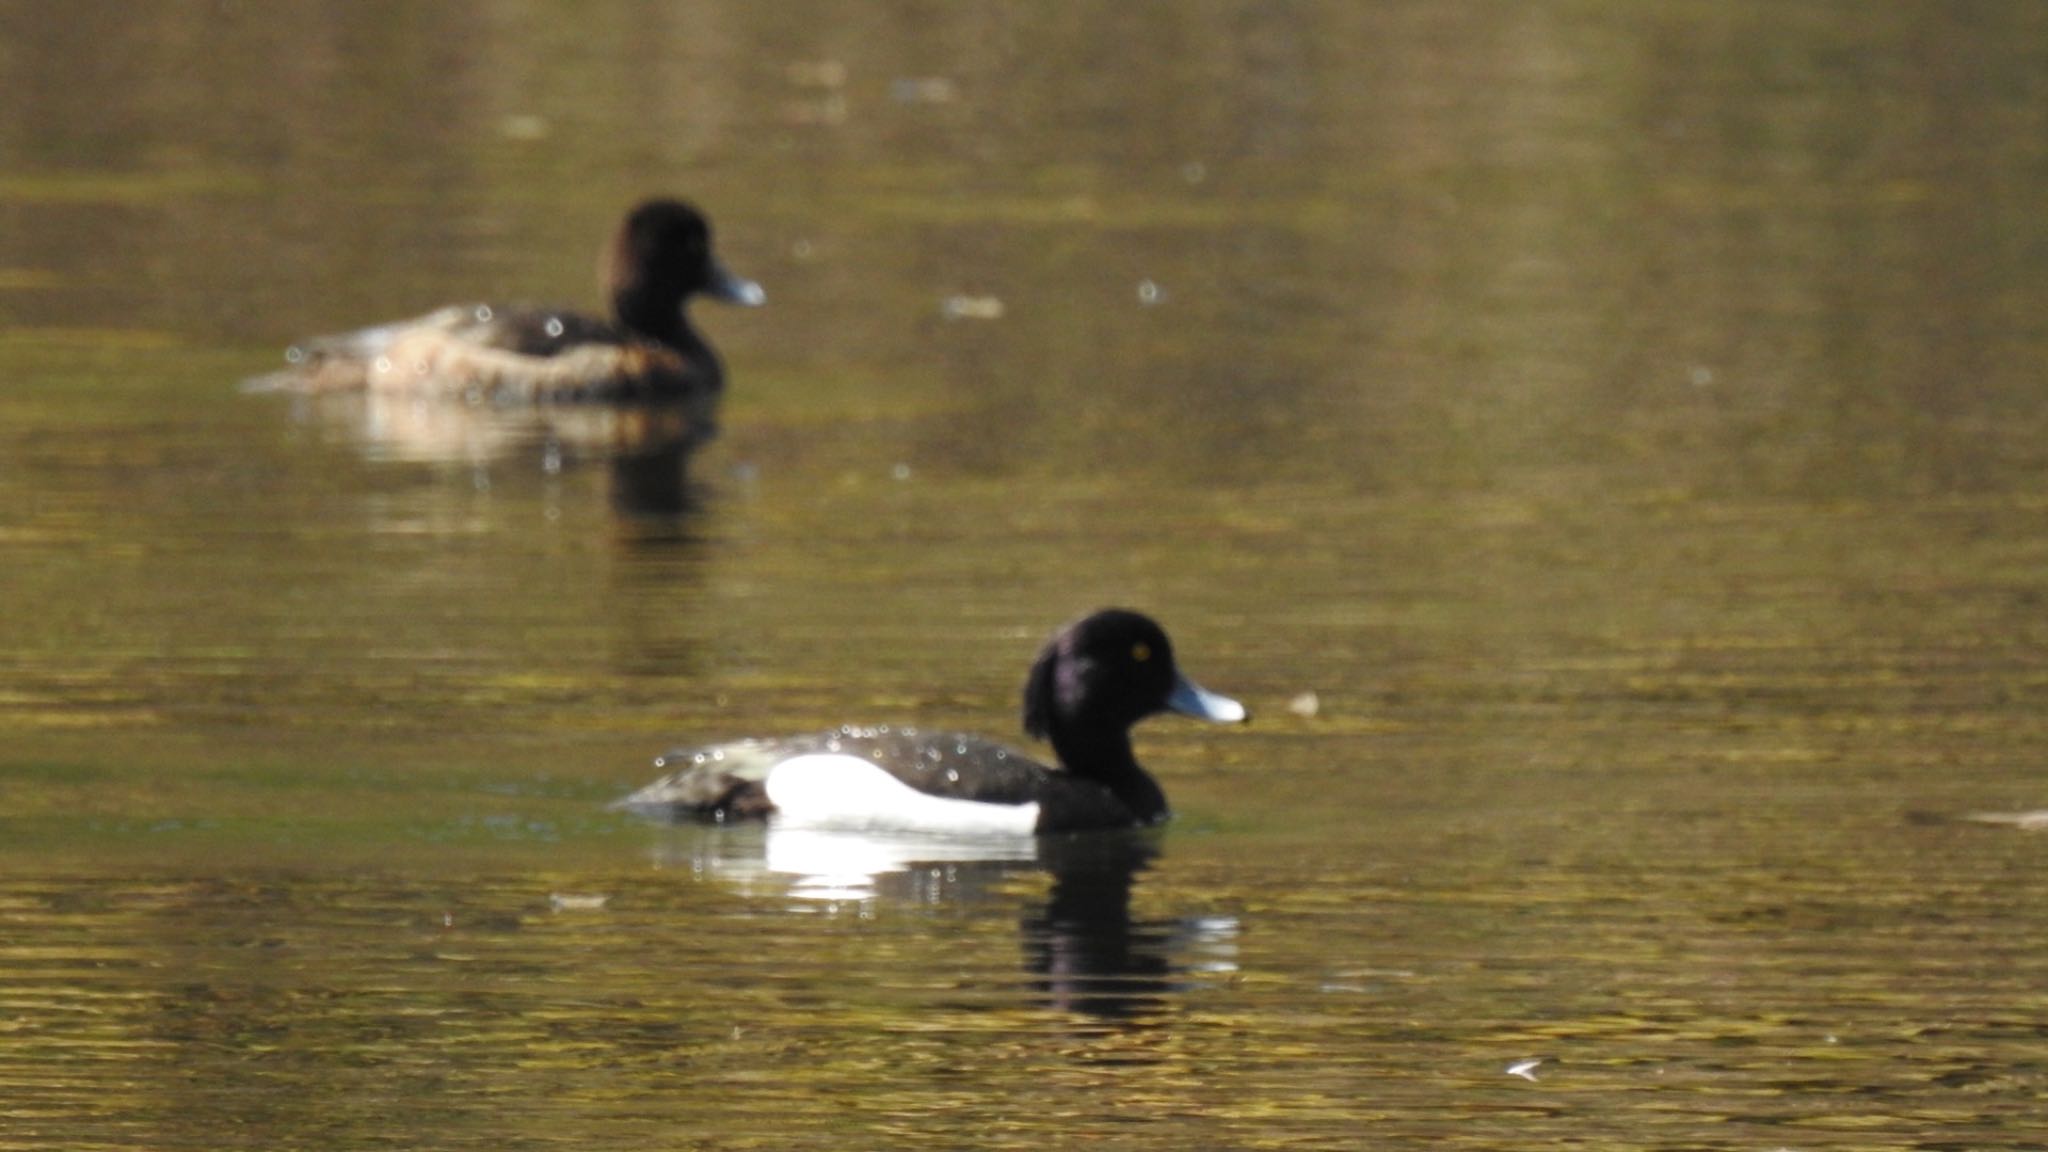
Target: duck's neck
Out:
[655,315]
[659,316]
[1108,761]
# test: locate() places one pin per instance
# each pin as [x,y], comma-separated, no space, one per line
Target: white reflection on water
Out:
[839,865]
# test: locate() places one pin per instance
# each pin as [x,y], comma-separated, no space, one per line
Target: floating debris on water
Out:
[2035,821]
[971,308]
[523,127]
[577,901]
[922,90]
[1305,705]
[1526,1069]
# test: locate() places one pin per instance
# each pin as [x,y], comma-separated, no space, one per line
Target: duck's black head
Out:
[1104,673]
[662,256]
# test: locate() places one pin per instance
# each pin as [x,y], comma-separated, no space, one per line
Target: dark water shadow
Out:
[1083,950]
[1091,955]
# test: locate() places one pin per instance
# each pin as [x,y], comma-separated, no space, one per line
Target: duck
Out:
[1091,682]
[647,351]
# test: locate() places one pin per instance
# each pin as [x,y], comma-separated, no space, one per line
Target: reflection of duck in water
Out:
[646,352]
[1082,946]
[1082,950]
[645,448]
[1094,680]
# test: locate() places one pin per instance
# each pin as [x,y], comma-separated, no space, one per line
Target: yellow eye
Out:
[1141,651]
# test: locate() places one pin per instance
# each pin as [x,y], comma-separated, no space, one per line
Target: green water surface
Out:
[1605,445]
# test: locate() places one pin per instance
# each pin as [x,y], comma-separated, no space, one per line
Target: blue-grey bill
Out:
[735,289]
[1191,699]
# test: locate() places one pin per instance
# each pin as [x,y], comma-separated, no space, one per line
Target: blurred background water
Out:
[1604,444]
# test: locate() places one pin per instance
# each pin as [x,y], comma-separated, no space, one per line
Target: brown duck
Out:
[646,352]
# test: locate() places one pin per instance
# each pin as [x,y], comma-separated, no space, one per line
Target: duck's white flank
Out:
[834,790]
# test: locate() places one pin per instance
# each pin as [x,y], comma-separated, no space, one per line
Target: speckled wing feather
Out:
[476,352]
[725,779]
